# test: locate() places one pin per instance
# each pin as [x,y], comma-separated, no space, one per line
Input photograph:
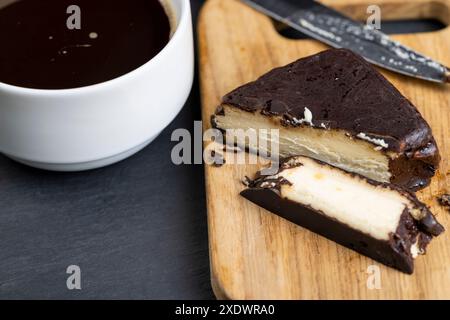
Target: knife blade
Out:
[337,30]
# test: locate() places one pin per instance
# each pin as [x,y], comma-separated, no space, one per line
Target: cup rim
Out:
[181,23]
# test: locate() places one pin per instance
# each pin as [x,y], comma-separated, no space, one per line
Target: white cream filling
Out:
[307,118]
[330,146]
[373,210]
[415,250]
[380,142]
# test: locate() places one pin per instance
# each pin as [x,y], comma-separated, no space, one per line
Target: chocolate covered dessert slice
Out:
[335,107]
[379,220]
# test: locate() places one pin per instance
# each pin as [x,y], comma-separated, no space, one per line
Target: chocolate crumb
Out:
[265,182]
[290,163]
[444,201]
[218,159]
[246,181]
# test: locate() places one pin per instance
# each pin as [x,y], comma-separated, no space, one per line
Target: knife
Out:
[339,31]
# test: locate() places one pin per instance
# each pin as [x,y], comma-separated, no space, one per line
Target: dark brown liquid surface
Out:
[38,50]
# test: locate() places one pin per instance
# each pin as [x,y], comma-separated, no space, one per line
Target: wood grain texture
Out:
[255,254]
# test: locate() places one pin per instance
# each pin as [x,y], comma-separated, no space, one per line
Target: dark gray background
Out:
[137,229]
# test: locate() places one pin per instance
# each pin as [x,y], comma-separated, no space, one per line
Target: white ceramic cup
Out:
[94,126]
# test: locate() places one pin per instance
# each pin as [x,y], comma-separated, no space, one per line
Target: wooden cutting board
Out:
[257,255]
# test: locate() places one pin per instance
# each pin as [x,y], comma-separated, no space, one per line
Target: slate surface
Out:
[137,229]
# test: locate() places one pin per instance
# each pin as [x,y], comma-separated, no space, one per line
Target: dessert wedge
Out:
[379,220]
[335,107]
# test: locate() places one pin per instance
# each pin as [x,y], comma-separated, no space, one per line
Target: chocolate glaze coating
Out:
[395,252]
[345,92]
[391,253]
